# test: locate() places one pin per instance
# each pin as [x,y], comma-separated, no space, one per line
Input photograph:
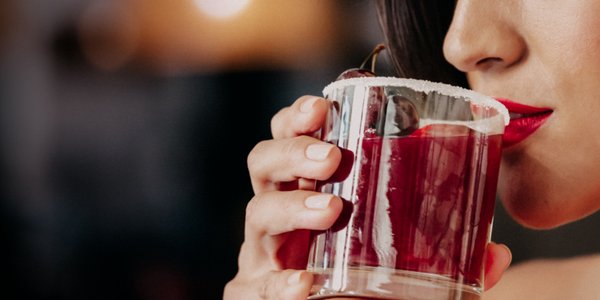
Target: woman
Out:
[542,55]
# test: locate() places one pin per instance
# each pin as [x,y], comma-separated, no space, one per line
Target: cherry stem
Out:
[373,57]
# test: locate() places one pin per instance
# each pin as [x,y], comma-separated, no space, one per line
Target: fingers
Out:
[286,160]
[275,285]
[270,218]
[277,212]
[305,116]
[273,215]
[498,258]
[270,215]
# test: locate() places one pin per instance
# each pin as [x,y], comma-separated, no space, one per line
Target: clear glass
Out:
[418,177]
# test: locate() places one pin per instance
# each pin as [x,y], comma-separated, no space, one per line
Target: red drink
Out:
[419,172]
[432,209]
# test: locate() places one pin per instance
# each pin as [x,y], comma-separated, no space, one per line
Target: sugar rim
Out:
[423,86]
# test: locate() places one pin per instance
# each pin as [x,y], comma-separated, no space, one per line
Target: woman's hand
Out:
[285,208]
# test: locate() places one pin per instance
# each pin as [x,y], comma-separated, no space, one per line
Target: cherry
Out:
[375,101]
[362,71]
[376,94]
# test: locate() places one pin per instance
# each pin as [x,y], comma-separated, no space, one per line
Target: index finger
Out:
[304,117]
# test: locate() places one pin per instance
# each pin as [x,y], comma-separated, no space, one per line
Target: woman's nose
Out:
[482,36]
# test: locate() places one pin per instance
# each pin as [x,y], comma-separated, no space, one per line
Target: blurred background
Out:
[124,131]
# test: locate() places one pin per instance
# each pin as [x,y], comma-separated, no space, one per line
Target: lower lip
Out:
[521,128]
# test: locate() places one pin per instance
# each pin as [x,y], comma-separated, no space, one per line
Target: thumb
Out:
[497,260]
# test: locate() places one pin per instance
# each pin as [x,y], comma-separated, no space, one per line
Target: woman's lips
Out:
[524,120]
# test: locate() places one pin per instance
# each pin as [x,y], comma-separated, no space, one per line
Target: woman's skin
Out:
[538,53]
[543,54]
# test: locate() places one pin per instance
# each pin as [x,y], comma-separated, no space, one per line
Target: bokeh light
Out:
[222,8]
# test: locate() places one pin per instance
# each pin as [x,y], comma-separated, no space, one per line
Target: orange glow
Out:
[176,36]
[222,8]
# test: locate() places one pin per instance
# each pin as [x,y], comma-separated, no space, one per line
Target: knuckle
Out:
[291,207]
[254,157]
[267,215]
[297,195]
[251,209]
[230,290]
[291,147]
[235,288]
[296,146]
[246,257]
[275,120]
[288,203]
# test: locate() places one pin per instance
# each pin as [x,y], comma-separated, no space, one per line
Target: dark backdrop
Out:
[132,185]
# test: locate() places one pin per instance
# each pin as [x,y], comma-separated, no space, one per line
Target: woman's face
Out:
[544,54]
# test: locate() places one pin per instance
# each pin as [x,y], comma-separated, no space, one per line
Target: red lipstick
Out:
[524,120]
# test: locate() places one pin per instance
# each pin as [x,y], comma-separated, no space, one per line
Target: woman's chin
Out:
[533,203]
[539,213]
[533,219]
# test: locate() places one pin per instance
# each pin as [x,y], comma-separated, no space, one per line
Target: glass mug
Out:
[418,177]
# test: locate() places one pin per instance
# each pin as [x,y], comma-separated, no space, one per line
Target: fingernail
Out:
[307,105]
[318,201]
[294,279]
[509,254]
[318,152]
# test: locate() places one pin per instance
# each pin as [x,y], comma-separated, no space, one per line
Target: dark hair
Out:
[415,31]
